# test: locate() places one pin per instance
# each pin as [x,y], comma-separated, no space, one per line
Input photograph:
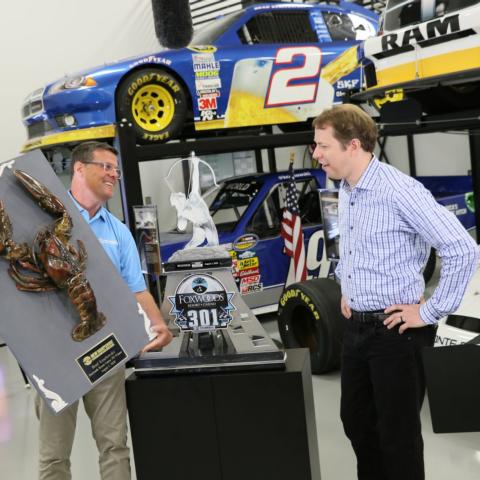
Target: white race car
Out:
[428,50]
[463,325]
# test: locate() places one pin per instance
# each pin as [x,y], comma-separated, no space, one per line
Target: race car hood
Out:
[119,67]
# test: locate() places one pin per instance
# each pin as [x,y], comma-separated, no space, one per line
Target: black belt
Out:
[370,317]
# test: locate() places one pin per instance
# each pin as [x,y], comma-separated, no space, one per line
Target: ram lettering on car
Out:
[427,51]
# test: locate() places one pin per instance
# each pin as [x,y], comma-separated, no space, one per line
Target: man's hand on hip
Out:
[345,308]
[404,316]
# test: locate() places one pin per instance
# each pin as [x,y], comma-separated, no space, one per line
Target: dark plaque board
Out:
[453,385]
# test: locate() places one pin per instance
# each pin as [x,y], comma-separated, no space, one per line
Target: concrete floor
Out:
[447,456]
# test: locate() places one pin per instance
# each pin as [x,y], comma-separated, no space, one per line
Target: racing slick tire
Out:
[154,102]
[309,316]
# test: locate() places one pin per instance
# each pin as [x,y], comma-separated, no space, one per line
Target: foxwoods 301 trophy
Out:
[213,327]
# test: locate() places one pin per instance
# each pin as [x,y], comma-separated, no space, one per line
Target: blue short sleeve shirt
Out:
[119,244]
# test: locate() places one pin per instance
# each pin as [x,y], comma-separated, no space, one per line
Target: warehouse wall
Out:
[41,41]
[435,153]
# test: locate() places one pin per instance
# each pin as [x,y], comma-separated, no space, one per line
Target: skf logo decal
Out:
[434,32]
[201,303]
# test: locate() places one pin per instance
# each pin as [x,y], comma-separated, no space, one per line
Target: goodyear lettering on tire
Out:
[135,85]
[294,293]
[156,138]
[288,294]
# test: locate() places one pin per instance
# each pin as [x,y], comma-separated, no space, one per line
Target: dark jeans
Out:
[383,388]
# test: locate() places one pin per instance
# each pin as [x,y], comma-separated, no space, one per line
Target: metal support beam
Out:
[231,143]
[412,164]
[272,161]
[474,141]
[132,154]
[382,154]
[259,161]
[131,185]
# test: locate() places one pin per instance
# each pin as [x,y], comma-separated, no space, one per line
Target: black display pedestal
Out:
[453,387]
[253,425]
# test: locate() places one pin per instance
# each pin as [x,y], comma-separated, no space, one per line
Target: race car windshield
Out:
[230,203]
[446,6]
[210,33]
[401,13]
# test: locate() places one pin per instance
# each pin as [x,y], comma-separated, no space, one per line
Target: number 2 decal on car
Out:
[281,89]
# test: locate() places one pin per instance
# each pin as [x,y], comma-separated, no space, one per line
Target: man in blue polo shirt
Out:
[95,174]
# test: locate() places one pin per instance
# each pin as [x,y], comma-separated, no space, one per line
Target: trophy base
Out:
[154,363]
[212,326]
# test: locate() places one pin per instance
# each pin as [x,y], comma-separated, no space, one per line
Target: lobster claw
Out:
[45,198]
[5,228]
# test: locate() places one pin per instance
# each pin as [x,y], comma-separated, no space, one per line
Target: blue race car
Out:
[247,211]
[267,64]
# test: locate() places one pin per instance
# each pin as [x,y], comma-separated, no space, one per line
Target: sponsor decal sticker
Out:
[204,84]
[246,289]
[207,103]
[151,59]
[247,254]
[201,302]
[249,271]
[245,263]
[245,242]
[455,209]
[440,29]
[251,279]
[203,48]
[207,115]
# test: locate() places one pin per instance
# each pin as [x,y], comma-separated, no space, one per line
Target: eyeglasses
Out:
[108,168]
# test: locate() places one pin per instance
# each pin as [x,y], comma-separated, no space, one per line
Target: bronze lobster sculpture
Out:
[55,262]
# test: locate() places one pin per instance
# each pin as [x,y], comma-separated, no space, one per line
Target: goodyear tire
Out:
[309,317]
[154,102]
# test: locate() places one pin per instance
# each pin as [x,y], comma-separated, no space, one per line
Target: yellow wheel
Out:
[153,108]
[154,102]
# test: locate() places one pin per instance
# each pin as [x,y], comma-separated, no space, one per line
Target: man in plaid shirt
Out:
[388,222]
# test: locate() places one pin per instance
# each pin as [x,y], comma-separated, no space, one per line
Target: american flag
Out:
[291,230]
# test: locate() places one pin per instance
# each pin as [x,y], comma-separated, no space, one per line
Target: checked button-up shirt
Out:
[388,223]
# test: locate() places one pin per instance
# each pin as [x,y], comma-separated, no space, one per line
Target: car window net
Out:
[278,27]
